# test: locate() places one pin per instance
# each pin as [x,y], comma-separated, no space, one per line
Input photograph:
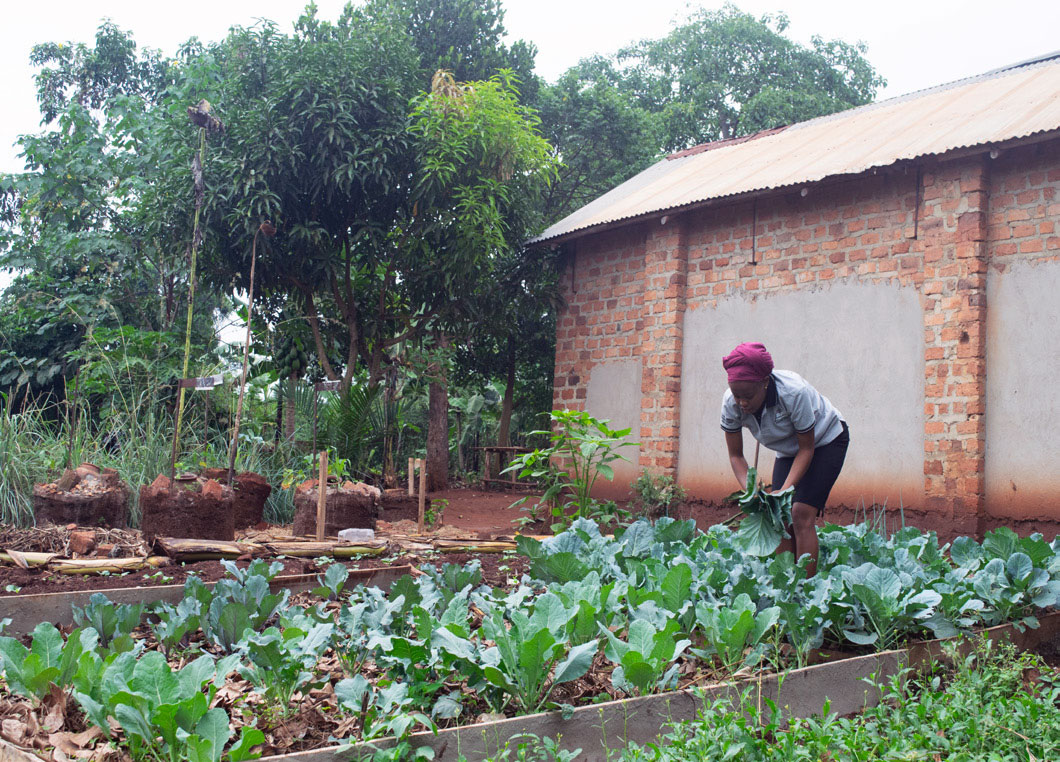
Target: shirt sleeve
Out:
[801,412]
[731,420]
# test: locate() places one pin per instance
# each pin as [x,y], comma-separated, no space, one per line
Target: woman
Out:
[790,417]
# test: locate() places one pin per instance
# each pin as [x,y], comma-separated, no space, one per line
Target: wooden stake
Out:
[322,496]
[423,490]
[412,477]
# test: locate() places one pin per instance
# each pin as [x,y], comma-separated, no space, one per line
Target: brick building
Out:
[902,256]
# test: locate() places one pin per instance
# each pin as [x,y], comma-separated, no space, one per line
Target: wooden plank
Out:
[27,611]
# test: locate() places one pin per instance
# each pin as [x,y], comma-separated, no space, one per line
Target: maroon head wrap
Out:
[748,362]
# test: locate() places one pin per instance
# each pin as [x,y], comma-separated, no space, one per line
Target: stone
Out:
[68,480]
[82,542]
[160,484]
[357,534]
[212,488]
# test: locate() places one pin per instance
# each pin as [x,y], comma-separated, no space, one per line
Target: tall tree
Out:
[75,229]
[725,73]
[482,162]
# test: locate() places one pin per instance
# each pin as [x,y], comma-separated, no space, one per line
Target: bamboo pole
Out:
[322,496]
[196,167]
[412,477]
[269,231]
[423,491]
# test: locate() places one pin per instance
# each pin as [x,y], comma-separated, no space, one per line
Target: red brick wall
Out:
[603,294]
[631,287]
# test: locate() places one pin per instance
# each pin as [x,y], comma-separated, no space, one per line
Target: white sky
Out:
[913,44]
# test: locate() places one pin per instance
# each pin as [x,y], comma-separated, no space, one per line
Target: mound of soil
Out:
[251,493]
[86,496]
[349,506]
[189,507]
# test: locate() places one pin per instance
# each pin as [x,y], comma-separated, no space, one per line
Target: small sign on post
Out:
[201,383]
[322,496]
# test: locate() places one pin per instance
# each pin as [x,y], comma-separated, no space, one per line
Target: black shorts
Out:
[817,482]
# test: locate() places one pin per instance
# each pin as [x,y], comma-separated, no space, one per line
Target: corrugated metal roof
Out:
[1006,104]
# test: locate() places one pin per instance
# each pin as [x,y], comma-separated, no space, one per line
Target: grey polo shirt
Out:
[792,407]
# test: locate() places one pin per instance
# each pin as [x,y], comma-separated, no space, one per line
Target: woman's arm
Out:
[802,460]
[734,441]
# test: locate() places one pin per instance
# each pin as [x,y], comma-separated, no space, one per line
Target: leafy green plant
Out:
[434,511]
[285,662]
[165,716]
[308,467]
[528,747]
[525,654]
[647,659]
[176,623]
[240,603]
[333,582]
[49,661]
[883,607]
[768,516]
[735,634]
[114,623]
[582,449]
[385,711]
[656,494]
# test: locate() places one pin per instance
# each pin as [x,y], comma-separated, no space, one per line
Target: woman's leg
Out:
[804,530]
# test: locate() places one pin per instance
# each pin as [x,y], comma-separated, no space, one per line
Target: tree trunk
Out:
[289,411]
[390,479]
[279,414]
[459,445]
[438,427]
[503,430]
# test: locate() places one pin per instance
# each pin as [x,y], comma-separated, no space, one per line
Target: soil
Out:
[348,507]
[189,507]
[466,513]
[251,493]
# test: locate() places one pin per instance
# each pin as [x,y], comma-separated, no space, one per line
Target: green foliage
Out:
[284,662]
[768,515]
[656,494]
[113,624]
[978,707]
[332,583]
[525,654]
[47,664]
[646,660]
[703,86]
[582,449]
[735,634]
[165,716]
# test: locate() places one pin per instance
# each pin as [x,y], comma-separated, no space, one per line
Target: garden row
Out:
[229,671]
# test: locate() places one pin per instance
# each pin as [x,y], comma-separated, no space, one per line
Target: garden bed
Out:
[849,686]
[618,630]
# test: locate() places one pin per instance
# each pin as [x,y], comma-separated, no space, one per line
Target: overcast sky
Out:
[913,44]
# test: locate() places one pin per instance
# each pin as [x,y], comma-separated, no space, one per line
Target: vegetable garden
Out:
[239,670]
